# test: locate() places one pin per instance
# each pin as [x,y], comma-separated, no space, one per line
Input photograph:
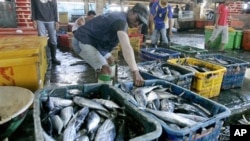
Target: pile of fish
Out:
[160,70]
[174,110]
[194,67]
[89,118]
[220,60]
[124,74]
[158,52]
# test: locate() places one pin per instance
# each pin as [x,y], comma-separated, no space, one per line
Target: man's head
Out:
[90,15]
[138,15]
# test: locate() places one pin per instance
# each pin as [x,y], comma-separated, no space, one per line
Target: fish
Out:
[107,103]
[106,132]
[59,102]
[221,61]
[46,137]
[81,101]
[66,114]
[80,117]
[93,119]
[82,138]
[167,105]
[187,108]
[164,94]
[193,117]
[57,123]
[140,97]
[69,133]
[172,117]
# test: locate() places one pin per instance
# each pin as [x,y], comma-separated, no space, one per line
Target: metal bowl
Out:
[14,104]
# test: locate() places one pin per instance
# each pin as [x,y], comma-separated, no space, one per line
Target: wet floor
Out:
[74,70]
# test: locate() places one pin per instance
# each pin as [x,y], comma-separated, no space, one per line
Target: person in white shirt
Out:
[81,20]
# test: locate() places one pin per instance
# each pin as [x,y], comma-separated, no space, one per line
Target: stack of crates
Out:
[236,69]
[22,56]
[207,84]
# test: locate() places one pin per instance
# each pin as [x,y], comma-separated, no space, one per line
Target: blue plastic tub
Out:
[184,80]
[234,76]
[151,129]
[150,54]
[194,133]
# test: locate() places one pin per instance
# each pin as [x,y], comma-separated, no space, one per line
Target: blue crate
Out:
[194,133]
[184,80]
[151,129]
[234,76]
[148,56]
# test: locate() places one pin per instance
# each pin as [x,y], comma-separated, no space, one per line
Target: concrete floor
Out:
[75,71]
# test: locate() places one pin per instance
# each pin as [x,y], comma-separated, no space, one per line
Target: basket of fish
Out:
[208,76]
[90,112]
[150,54]
[236,69]
[188,51]
[166,71]
[183,114]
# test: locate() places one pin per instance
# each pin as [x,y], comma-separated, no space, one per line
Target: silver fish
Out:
[66,114]
[164,94]
[172,117]
[140,97]
[80,117]
[93,119]
[167,105]
[81,101]
[46,137]
[82,138]
[107,103]
[69,133]
[57,123]
[106,132]
[221,61]
[193,117]
[59,102]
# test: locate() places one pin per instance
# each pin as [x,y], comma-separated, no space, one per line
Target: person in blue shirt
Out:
[97,38]
[160,13]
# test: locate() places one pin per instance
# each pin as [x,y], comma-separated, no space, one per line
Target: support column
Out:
[86,6]
[100,4]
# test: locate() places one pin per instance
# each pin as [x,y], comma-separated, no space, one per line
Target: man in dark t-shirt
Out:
[45,20]
[97,38]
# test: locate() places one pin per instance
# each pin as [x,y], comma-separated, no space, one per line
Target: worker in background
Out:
[45,20]
[81,20]
[176,11]
[221,26]
[160,13]
[97,38]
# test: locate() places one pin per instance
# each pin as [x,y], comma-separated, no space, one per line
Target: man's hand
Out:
[105,70]
[57,26]
[35,24]
[138,80]
[111,60]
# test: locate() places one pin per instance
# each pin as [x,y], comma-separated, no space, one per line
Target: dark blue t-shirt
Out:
[159,12]
[101,31]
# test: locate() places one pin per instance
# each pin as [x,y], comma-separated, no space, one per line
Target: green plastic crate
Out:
[188,51]
[151,129]
[238,39]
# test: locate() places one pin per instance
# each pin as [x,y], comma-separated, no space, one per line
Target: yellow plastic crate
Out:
[23,72]
[207,84]
[135,42]
[133,31]
[24,47]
